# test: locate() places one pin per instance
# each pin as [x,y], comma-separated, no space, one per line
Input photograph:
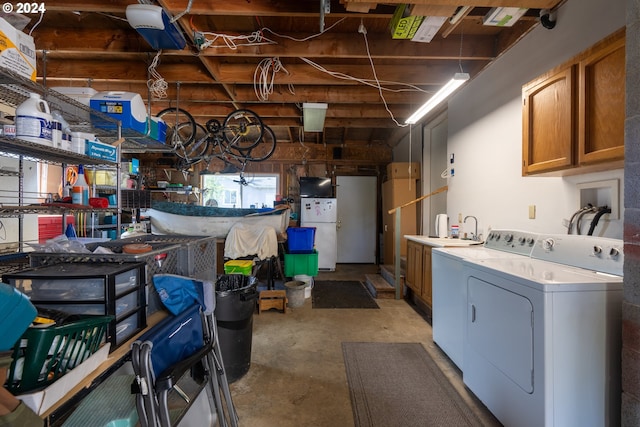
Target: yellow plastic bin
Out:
[238,266]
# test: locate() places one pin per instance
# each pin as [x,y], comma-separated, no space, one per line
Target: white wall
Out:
[485,131]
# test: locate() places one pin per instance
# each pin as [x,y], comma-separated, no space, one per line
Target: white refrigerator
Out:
[321,213]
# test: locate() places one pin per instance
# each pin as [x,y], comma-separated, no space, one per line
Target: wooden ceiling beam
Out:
[260,8]
[389,75]
[531,4]
[299,74]
[245,94]
[104,43]
[124,70]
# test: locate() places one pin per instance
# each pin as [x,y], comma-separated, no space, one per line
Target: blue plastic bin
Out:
[300,240]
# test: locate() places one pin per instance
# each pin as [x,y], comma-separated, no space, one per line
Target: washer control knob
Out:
[597,250]
[508,238]
[614,252]
[530,241]
[547,244]
[522,240]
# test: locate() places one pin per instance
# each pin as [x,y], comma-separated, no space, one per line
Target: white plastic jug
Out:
[33,121]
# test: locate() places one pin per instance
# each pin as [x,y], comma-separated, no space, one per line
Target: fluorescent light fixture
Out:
[313,114]
[453,84]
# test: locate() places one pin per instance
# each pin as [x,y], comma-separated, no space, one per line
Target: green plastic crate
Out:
[295,264]
[46,354]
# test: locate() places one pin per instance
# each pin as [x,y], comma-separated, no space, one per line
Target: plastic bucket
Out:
[295,293]
[308,280]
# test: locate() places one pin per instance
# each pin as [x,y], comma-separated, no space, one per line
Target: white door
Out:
[434,163]
[357,218]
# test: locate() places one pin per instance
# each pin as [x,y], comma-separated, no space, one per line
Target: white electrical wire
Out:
[37,23]
[234,41]
[407,87]
[264,76]
[303,39]
[379,86]
[157,84]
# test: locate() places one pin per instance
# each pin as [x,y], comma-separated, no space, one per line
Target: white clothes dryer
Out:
[543,338]
[449,288]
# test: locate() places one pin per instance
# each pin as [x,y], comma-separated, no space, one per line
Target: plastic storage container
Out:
[183,255]
[45,354]
[301,239]
[238,266]
[90,289]
[236,299]
[295,264]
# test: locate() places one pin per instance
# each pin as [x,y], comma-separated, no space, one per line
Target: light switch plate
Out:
[532,211]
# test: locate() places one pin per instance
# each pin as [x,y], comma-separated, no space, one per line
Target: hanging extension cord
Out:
[157,84]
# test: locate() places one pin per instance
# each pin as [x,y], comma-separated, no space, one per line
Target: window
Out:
[227,190]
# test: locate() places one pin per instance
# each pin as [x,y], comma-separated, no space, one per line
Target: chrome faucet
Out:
[475,234]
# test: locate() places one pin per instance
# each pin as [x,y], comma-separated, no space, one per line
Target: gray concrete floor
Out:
[297,375]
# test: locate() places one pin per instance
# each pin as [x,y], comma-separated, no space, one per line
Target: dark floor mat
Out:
[341,294]
[399,384]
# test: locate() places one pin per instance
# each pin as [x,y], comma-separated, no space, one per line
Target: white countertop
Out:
[439,242]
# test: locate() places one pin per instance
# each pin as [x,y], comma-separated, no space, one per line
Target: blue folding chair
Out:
[185,341]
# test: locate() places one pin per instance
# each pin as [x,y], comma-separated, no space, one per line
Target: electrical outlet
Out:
[459,218]
[532,211]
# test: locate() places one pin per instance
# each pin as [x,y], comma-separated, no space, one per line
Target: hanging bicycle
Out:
[210,143]
[241,129]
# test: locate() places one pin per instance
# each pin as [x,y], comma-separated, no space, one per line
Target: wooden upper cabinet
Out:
[548,122]
[573,116]
[602,102]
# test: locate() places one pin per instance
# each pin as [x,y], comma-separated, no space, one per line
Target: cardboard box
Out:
[100,150]
[403,170]
[41,401]
[428,29]
[503,16]
[17,51]
[403,25]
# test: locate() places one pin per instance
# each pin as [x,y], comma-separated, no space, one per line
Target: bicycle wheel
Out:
[181,126]
[196,149]
[265,149]
[242,129]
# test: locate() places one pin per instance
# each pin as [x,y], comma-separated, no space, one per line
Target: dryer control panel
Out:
[591,253]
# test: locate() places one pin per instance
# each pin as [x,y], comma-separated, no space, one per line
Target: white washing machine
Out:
[543,339]
[449,288]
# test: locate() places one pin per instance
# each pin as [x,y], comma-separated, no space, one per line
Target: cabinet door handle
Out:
[473,313]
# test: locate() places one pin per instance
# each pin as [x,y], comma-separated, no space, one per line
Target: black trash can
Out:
[236,298]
